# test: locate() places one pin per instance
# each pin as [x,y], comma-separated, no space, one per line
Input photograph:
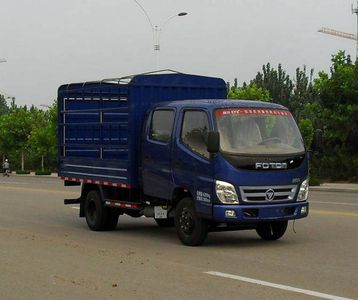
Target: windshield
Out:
[258,131]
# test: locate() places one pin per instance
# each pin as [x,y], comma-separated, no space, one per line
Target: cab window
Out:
[162,126]
[194,131]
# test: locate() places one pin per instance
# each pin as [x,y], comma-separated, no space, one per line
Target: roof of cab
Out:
[217,103]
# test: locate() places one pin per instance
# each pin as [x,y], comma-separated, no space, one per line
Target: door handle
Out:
[178,163]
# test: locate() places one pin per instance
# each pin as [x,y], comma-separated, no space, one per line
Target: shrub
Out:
[46,172]
[26,172]
[338,167]
[315,181]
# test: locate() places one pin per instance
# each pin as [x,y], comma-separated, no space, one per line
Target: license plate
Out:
[160,212]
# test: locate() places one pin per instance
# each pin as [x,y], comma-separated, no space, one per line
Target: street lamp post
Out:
[157,30]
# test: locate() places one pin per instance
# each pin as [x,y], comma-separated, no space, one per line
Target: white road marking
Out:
[13,182]
[335,203]
[75,207]
[277,286]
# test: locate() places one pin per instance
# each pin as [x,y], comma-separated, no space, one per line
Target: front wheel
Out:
[272,231]
[191,229]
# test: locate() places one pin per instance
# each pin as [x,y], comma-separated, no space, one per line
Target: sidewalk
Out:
[336,187]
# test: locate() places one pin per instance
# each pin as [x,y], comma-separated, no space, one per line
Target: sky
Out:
[49,43]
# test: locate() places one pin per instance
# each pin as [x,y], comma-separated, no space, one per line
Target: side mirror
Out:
[317,144]
[213,145]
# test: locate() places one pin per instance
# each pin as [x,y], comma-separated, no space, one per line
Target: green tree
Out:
[303,92]
[249,92]
[42,140]
[338,100]
[307,131]
[4,109]
[277,82]
[293,94]
[336,112]
[15,129]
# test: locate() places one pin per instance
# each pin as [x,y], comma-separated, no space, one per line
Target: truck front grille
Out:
[262,194]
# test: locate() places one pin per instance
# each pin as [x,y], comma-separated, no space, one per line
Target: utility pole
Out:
[355,11]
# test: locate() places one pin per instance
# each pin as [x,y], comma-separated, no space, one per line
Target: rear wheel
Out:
[165,222]
[272,231]
[99,217]
[191,229]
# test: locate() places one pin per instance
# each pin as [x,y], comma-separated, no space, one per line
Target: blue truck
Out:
[170,146]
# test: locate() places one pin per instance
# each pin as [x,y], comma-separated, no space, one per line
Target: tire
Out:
[97,215]
[191,229]
[272,231]
[165,222]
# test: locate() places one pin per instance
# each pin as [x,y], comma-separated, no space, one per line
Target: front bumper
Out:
[261,213]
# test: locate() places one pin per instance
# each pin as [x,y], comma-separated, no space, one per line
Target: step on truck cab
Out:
[172,147]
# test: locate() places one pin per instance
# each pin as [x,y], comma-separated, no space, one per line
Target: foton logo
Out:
[270,195]
[268,166]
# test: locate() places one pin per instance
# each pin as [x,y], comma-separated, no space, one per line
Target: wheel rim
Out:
[186,221]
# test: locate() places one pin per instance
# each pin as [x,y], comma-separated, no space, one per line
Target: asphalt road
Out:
[47,252]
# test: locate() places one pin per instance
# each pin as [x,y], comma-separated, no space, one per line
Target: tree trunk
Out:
[42,162]
[22,161]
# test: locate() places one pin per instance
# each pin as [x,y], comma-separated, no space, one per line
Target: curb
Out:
[53,175]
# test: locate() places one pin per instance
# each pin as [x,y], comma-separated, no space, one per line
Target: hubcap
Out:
[186,221]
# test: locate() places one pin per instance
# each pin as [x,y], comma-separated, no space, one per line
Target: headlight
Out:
[226,192]
[303,193]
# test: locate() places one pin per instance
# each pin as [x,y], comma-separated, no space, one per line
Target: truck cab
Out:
[257,175]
